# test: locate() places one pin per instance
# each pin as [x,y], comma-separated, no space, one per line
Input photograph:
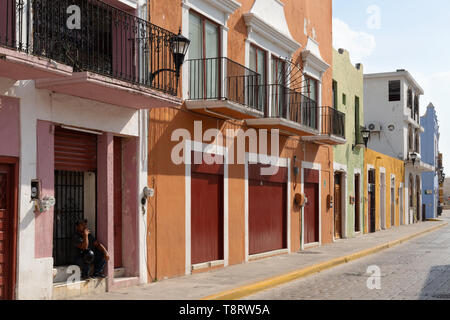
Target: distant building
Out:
[430,155]
[348,93]
[391,113]
[447,192]
[383,191]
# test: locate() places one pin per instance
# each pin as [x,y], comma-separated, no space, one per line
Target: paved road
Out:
[418,269]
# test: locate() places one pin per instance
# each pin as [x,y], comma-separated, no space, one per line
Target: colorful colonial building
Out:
[73,96]
[253,66]
[430,154]
[391,113]
[384,191]
[348,95]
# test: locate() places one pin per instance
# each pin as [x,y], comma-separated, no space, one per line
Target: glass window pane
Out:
[261,56]
[253,59]
[196,37]
[196,87]
[212,63]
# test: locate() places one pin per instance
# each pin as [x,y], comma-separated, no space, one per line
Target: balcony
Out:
[224,88]
[287,110]
[111,57]
[332,127]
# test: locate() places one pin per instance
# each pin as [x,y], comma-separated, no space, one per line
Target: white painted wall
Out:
[34,276]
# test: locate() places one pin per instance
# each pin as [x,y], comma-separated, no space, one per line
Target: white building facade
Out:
[392,114]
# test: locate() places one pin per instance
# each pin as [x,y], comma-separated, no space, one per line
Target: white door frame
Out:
[382,198]
[342,169]
[317,167]
[211,149]
[361,200]
[282,163]
[392,186]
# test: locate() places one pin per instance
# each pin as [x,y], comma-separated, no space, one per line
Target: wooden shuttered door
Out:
[75,151]
[267,221]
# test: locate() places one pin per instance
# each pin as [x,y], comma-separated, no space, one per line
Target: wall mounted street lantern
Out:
[179,46]
[413,157]
[366,136]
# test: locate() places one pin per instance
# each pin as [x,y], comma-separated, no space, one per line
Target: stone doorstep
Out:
[63,290]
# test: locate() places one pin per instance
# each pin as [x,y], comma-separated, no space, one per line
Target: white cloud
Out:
[359,44]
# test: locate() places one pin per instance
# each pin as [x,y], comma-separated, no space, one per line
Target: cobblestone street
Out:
[418,269]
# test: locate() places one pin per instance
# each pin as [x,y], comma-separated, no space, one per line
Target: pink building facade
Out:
[74,129]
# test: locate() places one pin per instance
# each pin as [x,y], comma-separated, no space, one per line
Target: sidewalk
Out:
[240,280]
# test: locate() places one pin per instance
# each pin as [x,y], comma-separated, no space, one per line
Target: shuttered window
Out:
[75,151]
[394,90]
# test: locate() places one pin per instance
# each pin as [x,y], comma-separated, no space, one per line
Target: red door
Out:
[267,221]
[6,232]
[206,217]
[117,202]
[7,22]
[267,216]
[311,213]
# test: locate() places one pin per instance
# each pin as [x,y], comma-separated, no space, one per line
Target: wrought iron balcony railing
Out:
[107,41]
[333,122]
[224,79]
[291,105]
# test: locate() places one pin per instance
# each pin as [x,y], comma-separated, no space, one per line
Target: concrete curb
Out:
[246,290]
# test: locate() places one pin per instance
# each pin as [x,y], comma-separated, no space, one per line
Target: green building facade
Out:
[348,95]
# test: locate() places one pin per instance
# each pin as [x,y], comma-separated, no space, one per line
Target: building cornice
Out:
[256,24]
[312,58]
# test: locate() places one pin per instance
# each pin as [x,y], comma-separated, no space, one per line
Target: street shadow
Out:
[437,285]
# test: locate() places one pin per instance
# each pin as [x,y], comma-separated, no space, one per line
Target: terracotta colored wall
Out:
[166,223]
[392,166]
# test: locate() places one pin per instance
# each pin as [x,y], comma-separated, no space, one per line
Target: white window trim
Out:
[226,7]
[358,171]
[280,162]
[317,167]
[256,26]
[206,148]
[341,168]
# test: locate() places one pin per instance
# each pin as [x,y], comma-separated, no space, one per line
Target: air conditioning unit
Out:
[374,126]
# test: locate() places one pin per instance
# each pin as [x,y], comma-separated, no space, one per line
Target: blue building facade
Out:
[430,152]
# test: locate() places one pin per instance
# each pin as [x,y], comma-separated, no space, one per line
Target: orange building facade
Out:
[244,74]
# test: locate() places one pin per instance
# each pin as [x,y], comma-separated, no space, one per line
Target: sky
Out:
[386,35]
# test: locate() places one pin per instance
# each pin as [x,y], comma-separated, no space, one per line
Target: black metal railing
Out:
[69,208]
[106,40]
[333,122]
[291,105]
[225,79]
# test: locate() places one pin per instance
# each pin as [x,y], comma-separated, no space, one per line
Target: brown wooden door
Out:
[206,217]
[267,216]
[117,202]
[6,232]
[337,206]
[311,213]
[392,207]
[357,204]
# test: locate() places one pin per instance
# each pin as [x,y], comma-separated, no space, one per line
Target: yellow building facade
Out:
[384,192]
